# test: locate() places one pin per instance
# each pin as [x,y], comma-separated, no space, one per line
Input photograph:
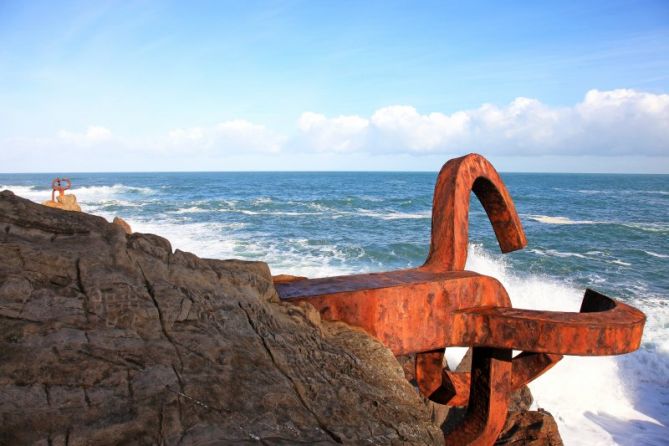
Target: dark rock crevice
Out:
[150,289]
[290,379]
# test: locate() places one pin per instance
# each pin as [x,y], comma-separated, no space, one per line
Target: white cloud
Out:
[340,134]
[625,122]
[226,137]
[93,135]
[617,122]
[605,123]
[402,128]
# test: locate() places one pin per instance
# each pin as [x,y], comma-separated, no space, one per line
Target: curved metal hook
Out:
[450,211]
[450,236]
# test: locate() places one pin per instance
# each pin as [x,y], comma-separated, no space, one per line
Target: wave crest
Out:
[556,220]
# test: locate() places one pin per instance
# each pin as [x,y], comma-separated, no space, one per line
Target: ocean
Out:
[606,232]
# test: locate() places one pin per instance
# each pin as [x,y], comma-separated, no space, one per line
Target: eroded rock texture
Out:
[530,428]
[109,338]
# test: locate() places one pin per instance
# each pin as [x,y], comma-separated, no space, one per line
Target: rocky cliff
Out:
[113,338]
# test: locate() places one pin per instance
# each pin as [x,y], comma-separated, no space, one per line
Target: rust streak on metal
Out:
[426,309]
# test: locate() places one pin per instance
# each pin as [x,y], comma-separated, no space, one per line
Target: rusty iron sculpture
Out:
[60,185]
[63,201]
[426,309]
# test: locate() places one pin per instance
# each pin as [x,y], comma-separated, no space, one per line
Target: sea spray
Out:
[586,394]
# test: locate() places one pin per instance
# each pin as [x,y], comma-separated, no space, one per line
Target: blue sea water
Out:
[607,232]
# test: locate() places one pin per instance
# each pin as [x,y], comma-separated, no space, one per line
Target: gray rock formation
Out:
[109,338]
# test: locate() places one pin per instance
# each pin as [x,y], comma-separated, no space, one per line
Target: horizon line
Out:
[316,171]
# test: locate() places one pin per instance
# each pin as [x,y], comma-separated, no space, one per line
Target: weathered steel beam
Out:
[409,310]
[603,327]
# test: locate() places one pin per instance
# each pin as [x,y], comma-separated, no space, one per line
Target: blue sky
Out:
[316,85]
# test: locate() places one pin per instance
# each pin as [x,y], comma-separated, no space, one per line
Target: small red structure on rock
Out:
[67,202]
[426,309]
[57,185]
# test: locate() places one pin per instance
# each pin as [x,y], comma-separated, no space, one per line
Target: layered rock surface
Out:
[109,338]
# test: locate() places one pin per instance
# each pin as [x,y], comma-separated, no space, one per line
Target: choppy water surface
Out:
[607,232]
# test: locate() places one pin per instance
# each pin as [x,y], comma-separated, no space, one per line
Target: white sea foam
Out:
[547,219]
[615,191]
[370,198]
[654,254]
[393,215]
[210,240]
[332,213]
[92,206]
[649,227]
[87,194]
[596,400]
[29,192]
[97,192]
[275,213]
[556,253]
[262,200]
[190,210]
[319,207]
[637,192]
[557,220]
[225,240]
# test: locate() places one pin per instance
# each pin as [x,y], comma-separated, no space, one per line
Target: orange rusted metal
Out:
[426,309]
[57,185]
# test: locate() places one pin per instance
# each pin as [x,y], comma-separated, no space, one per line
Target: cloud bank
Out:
[608,123]
[605,123]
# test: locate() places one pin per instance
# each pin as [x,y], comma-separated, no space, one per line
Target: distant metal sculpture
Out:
[57,185]
[426,309]
[67,202]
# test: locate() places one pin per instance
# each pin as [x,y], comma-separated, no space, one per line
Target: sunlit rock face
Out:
[66,202]
[113,338]
[123,224]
